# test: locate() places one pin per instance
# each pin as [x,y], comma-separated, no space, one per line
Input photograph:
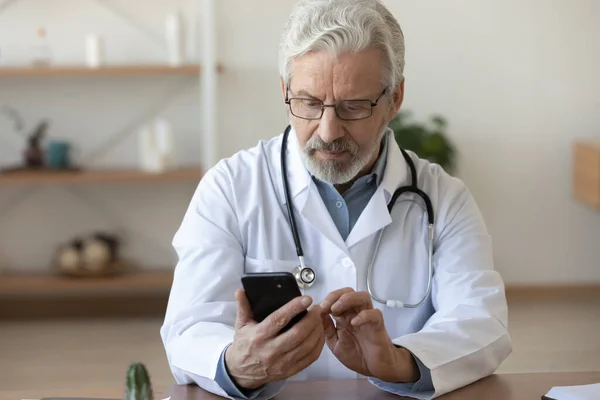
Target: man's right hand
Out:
[260,355]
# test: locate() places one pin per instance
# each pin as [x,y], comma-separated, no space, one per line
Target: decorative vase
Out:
[156,147]
[94,50]
[175,36]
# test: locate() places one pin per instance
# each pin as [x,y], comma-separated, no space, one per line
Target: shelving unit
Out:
[113,70]
[139,293]
[43,177]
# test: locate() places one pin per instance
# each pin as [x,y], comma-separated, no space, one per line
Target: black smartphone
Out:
[268,292]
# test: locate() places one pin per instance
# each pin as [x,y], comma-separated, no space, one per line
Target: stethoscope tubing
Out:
[413,188]
[286,188]
[398,303]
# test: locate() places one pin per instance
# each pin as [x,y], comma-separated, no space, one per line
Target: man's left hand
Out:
[360,341]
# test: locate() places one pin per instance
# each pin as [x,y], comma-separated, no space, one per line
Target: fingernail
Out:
[305,301]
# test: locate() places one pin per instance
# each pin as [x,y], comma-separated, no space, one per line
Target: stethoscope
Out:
[305,275]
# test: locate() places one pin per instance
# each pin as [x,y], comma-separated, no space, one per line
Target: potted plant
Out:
[137,383]
[428,141]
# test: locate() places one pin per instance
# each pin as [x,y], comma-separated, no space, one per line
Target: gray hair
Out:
[343,26]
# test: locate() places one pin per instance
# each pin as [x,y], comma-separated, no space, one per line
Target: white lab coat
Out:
[237,221]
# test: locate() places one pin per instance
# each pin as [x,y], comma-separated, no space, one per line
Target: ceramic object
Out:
[156,146]
[58,155]
[175,37]
[94,51]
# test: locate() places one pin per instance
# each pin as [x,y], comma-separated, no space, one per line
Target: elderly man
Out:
[404,294]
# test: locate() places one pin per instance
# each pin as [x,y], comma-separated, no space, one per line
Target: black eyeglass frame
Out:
[374,104]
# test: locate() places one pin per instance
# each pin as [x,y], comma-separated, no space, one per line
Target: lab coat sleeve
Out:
[466,338]
[201,311]
[224,381]
[422,389]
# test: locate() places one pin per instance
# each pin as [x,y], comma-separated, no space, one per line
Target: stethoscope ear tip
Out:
[394,304]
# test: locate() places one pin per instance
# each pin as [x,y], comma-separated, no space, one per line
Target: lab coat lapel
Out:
[375,216]
[306,197]
[297,174]
[315,212]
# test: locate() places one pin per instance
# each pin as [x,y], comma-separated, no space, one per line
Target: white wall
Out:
[518,81]
[515,78]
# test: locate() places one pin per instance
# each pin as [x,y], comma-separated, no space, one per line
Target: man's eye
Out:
[354,107]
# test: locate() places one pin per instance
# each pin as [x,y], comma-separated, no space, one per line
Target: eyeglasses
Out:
[347,110]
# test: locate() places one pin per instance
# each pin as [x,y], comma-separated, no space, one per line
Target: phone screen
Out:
[268,292]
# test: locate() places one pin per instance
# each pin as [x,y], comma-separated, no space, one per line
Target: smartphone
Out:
[270,291]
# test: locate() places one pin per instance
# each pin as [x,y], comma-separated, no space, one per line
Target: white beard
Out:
[334,171]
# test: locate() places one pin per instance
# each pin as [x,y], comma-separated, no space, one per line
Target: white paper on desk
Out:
[582,392]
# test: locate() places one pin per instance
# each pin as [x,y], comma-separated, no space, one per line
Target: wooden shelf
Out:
[44,296]
[115,70]
[97,176]
[34,285]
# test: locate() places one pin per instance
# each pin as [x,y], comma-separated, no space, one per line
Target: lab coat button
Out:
[346,262]
[339,204]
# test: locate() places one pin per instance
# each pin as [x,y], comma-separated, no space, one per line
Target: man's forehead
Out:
[347,73]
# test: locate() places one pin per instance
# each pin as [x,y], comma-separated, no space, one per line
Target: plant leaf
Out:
[431,144]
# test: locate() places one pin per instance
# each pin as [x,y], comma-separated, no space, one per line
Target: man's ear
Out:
[283,88]
[283,96]
[397,99]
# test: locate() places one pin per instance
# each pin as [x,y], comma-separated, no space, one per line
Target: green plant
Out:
[427,141]
[138,385]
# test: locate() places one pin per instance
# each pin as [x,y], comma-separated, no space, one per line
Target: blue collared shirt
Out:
[345,210]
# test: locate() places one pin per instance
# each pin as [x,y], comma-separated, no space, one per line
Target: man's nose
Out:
[330,126]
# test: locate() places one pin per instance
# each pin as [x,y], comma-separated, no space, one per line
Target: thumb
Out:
[330,331]
[244,311]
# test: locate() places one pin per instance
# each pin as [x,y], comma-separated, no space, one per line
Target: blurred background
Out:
[111,109]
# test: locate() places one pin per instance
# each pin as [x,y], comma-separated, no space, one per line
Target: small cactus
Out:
[138,385]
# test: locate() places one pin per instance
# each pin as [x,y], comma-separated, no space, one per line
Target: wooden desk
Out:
[496,387]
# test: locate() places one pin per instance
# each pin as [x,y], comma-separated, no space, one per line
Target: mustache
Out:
[315,143]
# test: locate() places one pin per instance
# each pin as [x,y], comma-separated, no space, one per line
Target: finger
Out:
[300,332]
[312,355]
[284,364]
[309,354]
[330,331]
[374,317]
[244,311]
[307,345]
[275,322]
[328,327]
[333,297]
[355,301]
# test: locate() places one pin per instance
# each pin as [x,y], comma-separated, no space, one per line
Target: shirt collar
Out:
[379,167]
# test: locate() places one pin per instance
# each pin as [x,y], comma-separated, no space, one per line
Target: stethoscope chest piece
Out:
[304,276]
